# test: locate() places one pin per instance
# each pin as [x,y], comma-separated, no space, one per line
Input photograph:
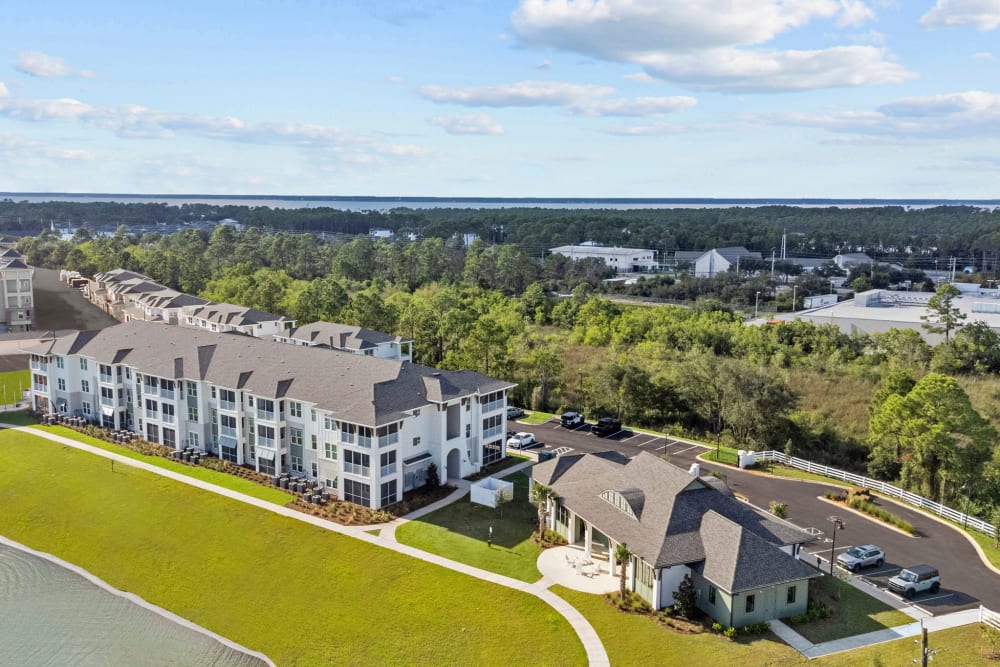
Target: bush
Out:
[729,633]
[631,603]
[835,496]
[717,627]
[874,510]
[686,598]
[759,628]
[779,509]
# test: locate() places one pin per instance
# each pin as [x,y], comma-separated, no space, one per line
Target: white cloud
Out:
[983,14]
[479,123]
[42,110]
[711,44]
[3,90]
[639,106]
[766,71]
[983,55]
[36,63]
[642,77]
[521,94]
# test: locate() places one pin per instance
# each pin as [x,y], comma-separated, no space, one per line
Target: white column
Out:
[587,540]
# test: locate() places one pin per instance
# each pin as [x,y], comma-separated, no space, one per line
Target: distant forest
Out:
[924,238]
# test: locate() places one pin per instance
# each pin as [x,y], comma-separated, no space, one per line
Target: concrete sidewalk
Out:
[596,654]
[933,624]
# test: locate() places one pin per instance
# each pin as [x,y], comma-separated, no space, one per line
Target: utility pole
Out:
[772,265]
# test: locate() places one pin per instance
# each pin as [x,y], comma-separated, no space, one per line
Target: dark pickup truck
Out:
[606,426]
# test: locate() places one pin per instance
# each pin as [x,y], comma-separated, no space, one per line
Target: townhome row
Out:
[367,426]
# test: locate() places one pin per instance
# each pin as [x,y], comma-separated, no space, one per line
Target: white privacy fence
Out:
[990,618]
[876,485]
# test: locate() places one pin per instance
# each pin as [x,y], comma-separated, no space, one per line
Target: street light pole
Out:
[794,288]
[837,523]
[756,304]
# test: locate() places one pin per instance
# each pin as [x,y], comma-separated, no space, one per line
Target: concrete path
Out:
[933,624]
[596,654]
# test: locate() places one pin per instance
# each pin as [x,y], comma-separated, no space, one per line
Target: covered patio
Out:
[570,567]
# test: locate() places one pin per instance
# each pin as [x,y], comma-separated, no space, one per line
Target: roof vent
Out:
[436,374]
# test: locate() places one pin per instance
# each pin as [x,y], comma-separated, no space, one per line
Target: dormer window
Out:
[628,501]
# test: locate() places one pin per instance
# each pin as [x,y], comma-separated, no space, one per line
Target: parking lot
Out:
[965,581]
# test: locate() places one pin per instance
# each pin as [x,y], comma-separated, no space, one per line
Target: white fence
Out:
[881,487]
[990,618]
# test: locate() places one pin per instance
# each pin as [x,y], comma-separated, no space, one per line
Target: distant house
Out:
[379,233]
[709,263]
[743,562]
[228,317]
[622,260]
[349,338]
[16,292]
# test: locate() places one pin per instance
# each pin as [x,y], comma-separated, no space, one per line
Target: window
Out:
[228,425]
[330,451]
[790,595]
[193,439]
[61,383]
[152,432]
[330,483]
[265,435]
[364,437]
[228,452]
[169,437]
[347,431]
[315,471]
[329,424]
[416,441]
[12,302]
[107,396]
[266,466]
[388,493]
[751,599]
[711,594]
[192,411]
[295,409]
[492,426]
[312,415]
[313,436]
[86,408]
[59,362]
[356,492]
[25,285]
[265,409]
[151,409]
[227,399]
[168,413]
[295,439]
[83,364]
[388,464]
[388,435]
[492,451]
[192,389]
[85,386]
[356,463]
[213,392]
[468,430]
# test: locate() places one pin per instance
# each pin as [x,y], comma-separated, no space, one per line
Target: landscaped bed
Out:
[300,594]
[460,531]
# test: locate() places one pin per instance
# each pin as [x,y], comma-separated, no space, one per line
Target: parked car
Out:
[858,557]
[521,440]
[514,412]
[606,426]
[916,579]
[571,419]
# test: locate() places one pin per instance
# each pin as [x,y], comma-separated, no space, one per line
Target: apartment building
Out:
[228,317]
[348,338]
[368,427]
[17,287]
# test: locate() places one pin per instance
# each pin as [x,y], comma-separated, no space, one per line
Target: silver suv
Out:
[916,579]
[858,557]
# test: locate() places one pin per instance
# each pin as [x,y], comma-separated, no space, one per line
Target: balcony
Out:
[228,431]
[227,405]
[386,471]
[386,440]
[265,442]
[152,414]
[107,401]
[168,418]
[266,415]
[492,431]
[355,469]
[167,393]
[492,406]
[365,441]
[107,379]
[39,366]
[43,388]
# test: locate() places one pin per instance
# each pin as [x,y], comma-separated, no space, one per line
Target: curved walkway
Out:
[596,655]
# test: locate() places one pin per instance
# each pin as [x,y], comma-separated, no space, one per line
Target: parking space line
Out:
[688,449]
[878,573]
[634,435]
[644,442]
[936,597]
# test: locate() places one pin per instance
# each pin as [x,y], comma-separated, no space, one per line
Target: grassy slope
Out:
[12,383]
[222,479]
[459,532]
[300,594]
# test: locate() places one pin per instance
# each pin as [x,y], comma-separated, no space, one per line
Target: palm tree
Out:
[622,554]
[541,495]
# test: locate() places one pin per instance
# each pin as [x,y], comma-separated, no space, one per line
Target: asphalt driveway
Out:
[965,581]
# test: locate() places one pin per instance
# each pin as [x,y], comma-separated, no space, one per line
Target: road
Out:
[965,581]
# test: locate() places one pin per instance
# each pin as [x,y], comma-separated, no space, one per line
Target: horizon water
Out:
[51,616]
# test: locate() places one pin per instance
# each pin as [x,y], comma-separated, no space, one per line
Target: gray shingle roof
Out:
[668,529]
[233,315]
[330,334]
[169,299]
[356,388]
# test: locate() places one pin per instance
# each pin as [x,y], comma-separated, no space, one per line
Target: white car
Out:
[520,440]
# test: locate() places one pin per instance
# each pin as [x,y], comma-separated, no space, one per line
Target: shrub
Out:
[631,603]
[717,627]
[835,496]
[759,628]
[779,509]
[729,633]
[686,598]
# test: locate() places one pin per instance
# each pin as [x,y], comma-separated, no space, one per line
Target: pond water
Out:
[52,616]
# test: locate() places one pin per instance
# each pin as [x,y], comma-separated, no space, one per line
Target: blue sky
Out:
[682,98]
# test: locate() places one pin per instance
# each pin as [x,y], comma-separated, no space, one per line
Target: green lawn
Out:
[958,646]
[638,640]
[12,385]
[724,455]
[536,417]
[855,612]
[300,594]
[270,494]
[459,531]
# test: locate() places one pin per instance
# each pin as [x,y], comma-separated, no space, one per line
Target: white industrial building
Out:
[622,260]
